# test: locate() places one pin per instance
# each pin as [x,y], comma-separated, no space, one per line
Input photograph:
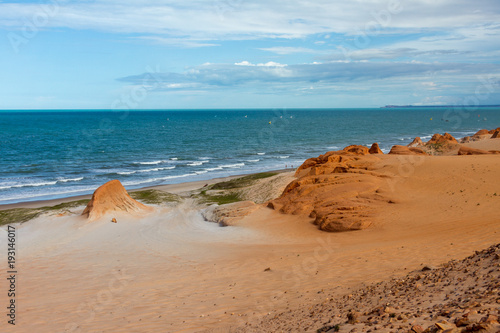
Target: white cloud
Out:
[178,42]
[246,74]
[230,20]
[267,64]
[288,50]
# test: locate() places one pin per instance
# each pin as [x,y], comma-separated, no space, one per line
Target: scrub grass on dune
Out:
[154,197]
[227,192]
[19,215]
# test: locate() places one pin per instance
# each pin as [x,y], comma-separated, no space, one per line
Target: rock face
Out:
[331,156]
[440,139]
[403,150]
[474,151]
[375,149]
[338,189]
[465,139]
[482,134]
[496,134]
[112,197]
[416,142]
[229,214]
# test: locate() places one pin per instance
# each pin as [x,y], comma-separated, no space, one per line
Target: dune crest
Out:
[112,197]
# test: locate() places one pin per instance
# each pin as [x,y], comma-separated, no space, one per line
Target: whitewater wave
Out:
[126,172]
[253,161]
[65,180]
[37,196]
[214,169]
[261,153]
[145,170]
[149,163]
[28,185]
[236,165]
[152,180]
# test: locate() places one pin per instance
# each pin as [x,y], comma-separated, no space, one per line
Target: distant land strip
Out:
[438,106]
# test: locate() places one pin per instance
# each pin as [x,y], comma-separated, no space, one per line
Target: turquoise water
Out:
[57,154]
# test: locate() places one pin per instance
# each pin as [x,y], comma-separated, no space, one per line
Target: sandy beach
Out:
[173,271]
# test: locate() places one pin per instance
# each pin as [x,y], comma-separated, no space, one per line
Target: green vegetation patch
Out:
[67,205]
[219,198]
[154,197]
[241,182]
[227,192]
[19,215]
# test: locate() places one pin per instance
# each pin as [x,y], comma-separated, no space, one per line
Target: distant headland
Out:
[437,106]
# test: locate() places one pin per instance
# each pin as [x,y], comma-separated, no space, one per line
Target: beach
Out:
[250,166]
[173,271]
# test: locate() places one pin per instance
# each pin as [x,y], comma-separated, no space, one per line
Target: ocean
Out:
[54,154]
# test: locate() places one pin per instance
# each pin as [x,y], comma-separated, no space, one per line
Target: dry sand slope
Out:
[171,271]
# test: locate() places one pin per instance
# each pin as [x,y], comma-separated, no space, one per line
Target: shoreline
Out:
[171,188]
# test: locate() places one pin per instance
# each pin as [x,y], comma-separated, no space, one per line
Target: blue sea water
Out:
[52,154]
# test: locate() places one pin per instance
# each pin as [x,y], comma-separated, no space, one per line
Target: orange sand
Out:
[174,272]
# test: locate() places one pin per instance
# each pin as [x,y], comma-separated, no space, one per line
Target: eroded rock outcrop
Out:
[229,214]
[340,190]
[112,197]
[331,156]
[474,151]
[446,138]
[465,139]
[416,142]
[481,134]
[403,150]
[375,149]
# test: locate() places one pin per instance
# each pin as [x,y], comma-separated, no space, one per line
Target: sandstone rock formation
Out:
[465,139]
[416,142]
[481,134]
[112,197]
[354,150]
[442,139]
[496,134]
[474,151]
[403,150]
[229,214]
[375,149]
[331,156]
[340,190]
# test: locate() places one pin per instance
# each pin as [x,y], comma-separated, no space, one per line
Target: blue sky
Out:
[109,54]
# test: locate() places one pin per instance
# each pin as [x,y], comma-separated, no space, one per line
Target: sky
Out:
[110,54]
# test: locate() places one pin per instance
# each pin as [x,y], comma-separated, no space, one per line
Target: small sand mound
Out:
[112,197]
